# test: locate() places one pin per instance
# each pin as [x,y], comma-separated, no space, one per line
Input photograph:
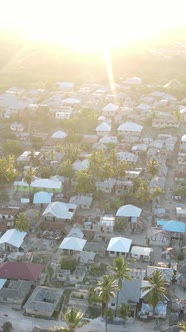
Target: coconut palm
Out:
[121,271]
[29,177]
[153,167]
[72,318]
[106,290]
[21,222]
[157,290]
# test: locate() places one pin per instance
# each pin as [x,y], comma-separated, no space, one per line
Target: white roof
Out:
[110,107]
[183,139]
[143,107]
[130,126]
[128,210]
[72,243]
[81,200]
[108,139]
[143,251]
[41,183]
[119,244]
[76,232]
[13,237]
[71,101]
[79,165]
[104,127]
[59,134]
[60,210]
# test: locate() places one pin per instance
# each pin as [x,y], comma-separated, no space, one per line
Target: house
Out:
[63,113]
[166,272]
[143,253]
[104,129]
[165,122]
[119,246]
[20,271]
[108,140]
[122,187]
[129,294]
[130,128]
[106,186]
[24,157]
[59,135]
[59,211]
[175,228]
[71,101]
[8,214]
[72,244]
[43,301]
[133,81]
[110,110]
[49,185]
[65,86]
[181,276]
[76,232]
[42,197]
[80,165]
[105,225]
[18,127]
[158,237]
[129,211]
[127,156]
[15,292]
[83,201]
[12,240]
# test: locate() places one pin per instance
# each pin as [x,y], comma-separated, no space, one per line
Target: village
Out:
[94,172]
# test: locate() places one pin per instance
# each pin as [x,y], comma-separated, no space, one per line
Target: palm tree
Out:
[29,177]
[183,326]
[21,222]
[153,167]
[121,271]
[72,318]
[157,290]
[106,290]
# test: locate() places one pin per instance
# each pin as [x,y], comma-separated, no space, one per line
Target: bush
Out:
[68,263]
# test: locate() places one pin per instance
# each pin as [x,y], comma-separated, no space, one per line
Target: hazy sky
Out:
[90,23]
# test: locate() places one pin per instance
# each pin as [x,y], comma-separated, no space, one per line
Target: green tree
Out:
[73,319]
[106,290]
[29,177]
[7,327]
[143,193]
[71,151]
[12,147]
[157,289]
[68,262]
[123,311]
[121,271]
[7,169]
[153,167]
[65,169]
[84,182]
[21,222]
[182,325]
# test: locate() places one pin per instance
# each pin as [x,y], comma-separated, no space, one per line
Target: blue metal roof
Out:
[172,225]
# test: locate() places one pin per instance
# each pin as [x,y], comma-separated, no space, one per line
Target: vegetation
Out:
[21,222]
[7,169]
[73,319]
[120,271]
[106,290]
[29,177]
[182,325]
[68,263]
[157,290]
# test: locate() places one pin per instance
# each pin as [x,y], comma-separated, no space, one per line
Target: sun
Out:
[89,25]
